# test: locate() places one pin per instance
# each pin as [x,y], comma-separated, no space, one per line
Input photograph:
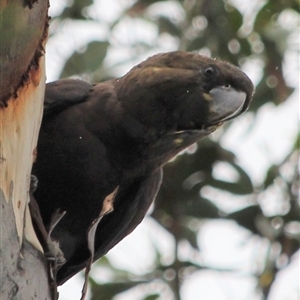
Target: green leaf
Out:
[272,173]
[140,5]
[190,235]
[235,18]
[200,208]
[238,188]
[152,297]
[196,43]
[76,10]
[109,290]
[88,61]
[247,217]
[242,186]
[166,25]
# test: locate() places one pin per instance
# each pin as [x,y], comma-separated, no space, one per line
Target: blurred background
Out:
[225,224]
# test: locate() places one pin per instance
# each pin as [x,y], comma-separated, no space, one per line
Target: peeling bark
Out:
[23,30]
[23,33]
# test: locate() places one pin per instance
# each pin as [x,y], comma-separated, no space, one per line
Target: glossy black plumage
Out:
[121,132]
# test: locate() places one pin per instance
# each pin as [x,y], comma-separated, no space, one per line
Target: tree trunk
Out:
[23,33]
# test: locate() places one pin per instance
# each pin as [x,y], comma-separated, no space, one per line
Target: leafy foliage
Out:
[85,61]
[220,29]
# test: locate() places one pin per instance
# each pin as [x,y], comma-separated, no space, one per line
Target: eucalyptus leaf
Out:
[152,297]
[88,61]
[110,290]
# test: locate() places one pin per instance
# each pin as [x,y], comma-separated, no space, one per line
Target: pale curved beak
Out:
[225,103]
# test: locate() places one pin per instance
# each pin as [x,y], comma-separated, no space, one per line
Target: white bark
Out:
[23,268]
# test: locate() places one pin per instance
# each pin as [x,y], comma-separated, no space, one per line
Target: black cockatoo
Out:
[120,133]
